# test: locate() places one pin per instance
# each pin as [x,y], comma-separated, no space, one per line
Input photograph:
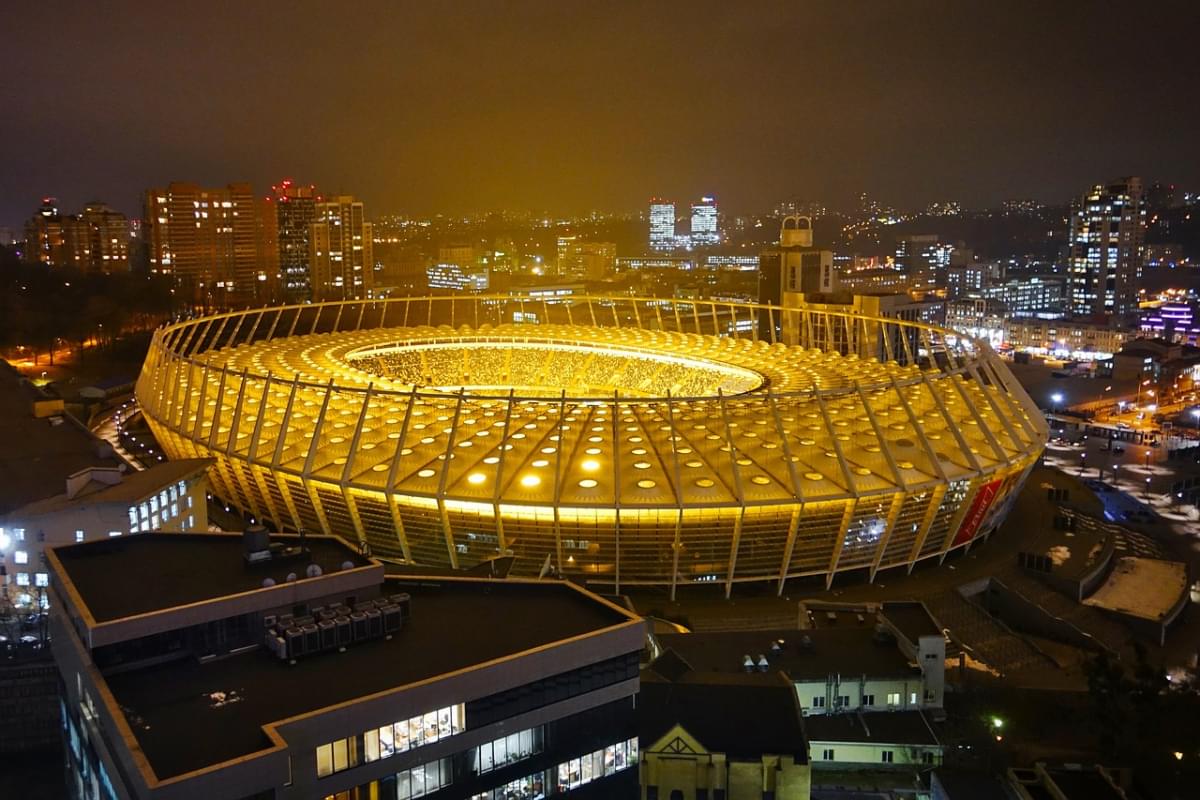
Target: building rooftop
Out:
[1148,588]
[912,619]
[890,727]
[744,718]
[134,486]
[1083,784]
[130,575]
[37,455]
[807,654]
[963,785]
[182,725]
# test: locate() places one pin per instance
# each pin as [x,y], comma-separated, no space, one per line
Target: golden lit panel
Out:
[630,440]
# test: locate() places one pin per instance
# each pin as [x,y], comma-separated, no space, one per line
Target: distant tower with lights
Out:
[705,227]
[341,250]
[295,212]
[662,225]
[1108,228]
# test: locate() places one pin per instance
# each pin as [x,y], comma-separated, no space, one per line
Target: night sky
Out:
[457,107]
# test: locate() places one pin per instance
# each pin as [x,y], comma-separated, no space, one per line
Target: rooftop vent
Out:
[256,544]
[748,663]
[806,644]
[777,645]
[763,664]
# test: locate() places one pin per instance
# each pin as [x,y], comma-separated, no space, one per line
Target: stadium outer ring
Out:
[921,458]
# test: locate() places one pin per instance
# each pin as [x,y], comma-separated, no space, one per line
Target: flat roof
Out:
[125,576]
[880,727]
[828,650]
[970,785]
[1083,784]
[455,624]
[37,455]
[912,619]
[739,719]
[135,486]
[1147,588]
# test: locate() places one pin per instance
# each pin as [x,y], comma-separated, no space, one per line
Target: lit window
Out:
[42,579]
[78,536]
[114,533]
[20,557]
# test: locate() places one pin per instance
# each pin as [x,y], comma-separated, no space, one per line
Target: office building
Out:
[1076,339]
[296,669]
[63,485]
[740,737]
[1174,321]
[456,278]
[978,318]
[341,251]
[582,260]
[1041,296]
[207,239]
[1108,225]
[874,281]
[706,229]
[654,262]
[869,680]
[295,211]
[924,259]
[795,266]
[662,225]
[730,263]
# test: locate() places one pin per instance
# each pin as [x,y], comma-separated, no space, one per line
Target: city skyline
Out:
[551,109]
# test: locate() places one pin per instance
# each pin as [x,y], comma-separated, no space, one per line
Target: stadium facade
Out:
[618,440]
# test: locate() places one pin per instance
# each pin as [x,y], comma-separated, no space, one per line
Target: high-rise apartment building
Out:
[1108,226]
[662,225]
[44,238]
[295,210]
[208,239]
[108,238]
[96,240]
[341,252]
[705,227]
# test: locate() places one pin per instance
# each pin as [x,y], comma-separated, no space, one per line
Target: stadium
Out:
[615,440]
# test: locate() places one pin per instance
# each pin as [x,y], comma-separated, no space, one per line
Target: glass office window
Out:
[599,764]
[508,749]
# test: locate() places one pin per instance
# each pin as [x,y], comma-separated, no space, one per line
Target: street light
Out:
[1147,487]
[1056,400]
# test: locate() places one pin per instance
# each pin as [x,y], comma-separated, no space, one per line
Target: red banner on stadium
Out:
[979,508]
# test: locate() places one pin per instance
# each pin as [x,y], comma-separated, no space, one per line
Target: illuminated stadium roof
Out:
[628,439]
